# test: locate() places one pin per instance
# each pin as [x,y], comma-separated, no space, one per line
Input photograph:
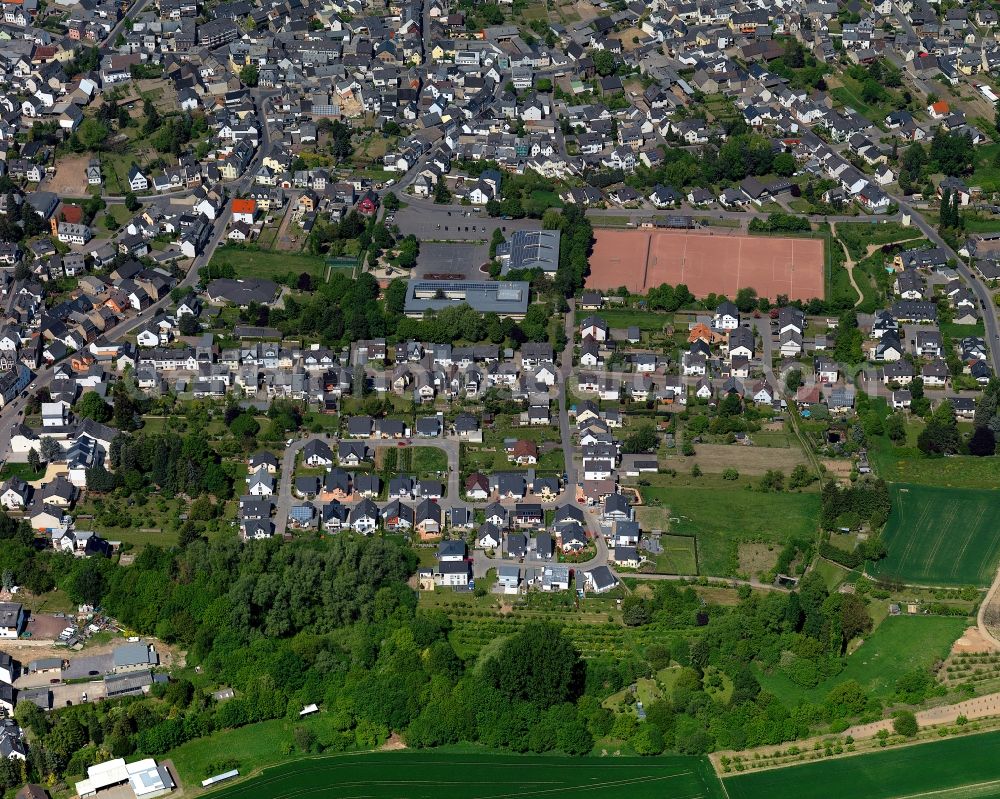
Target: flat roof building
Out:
[530,249]
[129,657]
[509,298]
[129,684]
[144,777]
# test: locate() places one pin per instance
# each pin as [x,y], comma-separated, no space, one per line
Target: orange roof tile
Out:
[244,206]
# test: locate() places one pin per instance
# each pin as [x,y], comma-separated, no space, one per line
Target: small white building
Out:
[145,779]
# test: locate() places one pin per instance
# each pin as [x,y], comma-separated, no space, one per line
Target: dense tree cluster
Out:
[950,214]
[986,422]
[847,346]
[865,500]
[21,220]
[167,462]
[741,155]
[333,621]
[85,59]
[940,435]
[576,240]
[345,310]
[780,222]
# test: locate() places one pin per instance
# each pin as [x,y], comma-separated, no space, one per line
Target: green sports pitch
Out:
[438,775]
[940,536]
[967,767]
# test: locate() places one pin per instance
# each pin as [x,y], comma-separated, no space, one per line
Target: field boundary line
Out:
[715,757]
[981,613]
[939,791]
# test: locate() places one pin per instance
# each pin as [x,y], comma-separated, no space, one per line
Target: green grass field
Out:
[481,775]
[955,768]
[22,470]
[960,331]
[679,555]
[941,536]
[720,517]
[858,235]
[909,465]
[627,317]
[987,173]
[898,645]
[841,290]
[832,574]
[268,264]
[424,460]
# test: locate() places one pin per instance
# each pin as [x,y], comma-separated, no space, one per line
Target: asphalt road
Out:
[565,370]
[982,292]
[285,498]
[13,413]
[126,19]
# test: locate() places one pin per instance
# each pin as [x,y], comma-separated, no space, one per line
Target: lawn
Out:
[611,221]
[851,91]
[629,317]
[899,645]
[540,200]
[268,264]
[858,235]
[950,769]
[721,516]
[954,330]
[841,290]
[940,536]
[980,224]
[22,470]
[679,555]
[254,746]
[833,575]
[987,173]
[489,459]
[424,460]
[156,522]
[480,774]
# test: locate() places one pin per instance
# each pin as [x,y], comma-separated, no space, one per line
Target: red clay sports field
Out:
[707,263]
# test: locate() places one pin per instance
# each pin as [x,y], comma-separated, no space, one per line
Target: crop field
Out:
[898,645]
[955,768]
[908,465]
[941,536]
[444,775]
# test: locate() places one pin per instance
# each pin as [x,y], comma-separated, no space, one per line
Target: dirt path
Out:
[850,263]
[282,240]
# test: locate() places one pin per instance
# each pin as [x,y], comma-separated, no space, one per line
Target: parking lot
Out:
[63,695]
[46,625]
[453,258]
[437,222]
[89,666]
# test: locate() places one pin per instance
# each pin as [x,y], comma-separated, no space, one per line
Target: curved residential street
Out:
[284,498]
